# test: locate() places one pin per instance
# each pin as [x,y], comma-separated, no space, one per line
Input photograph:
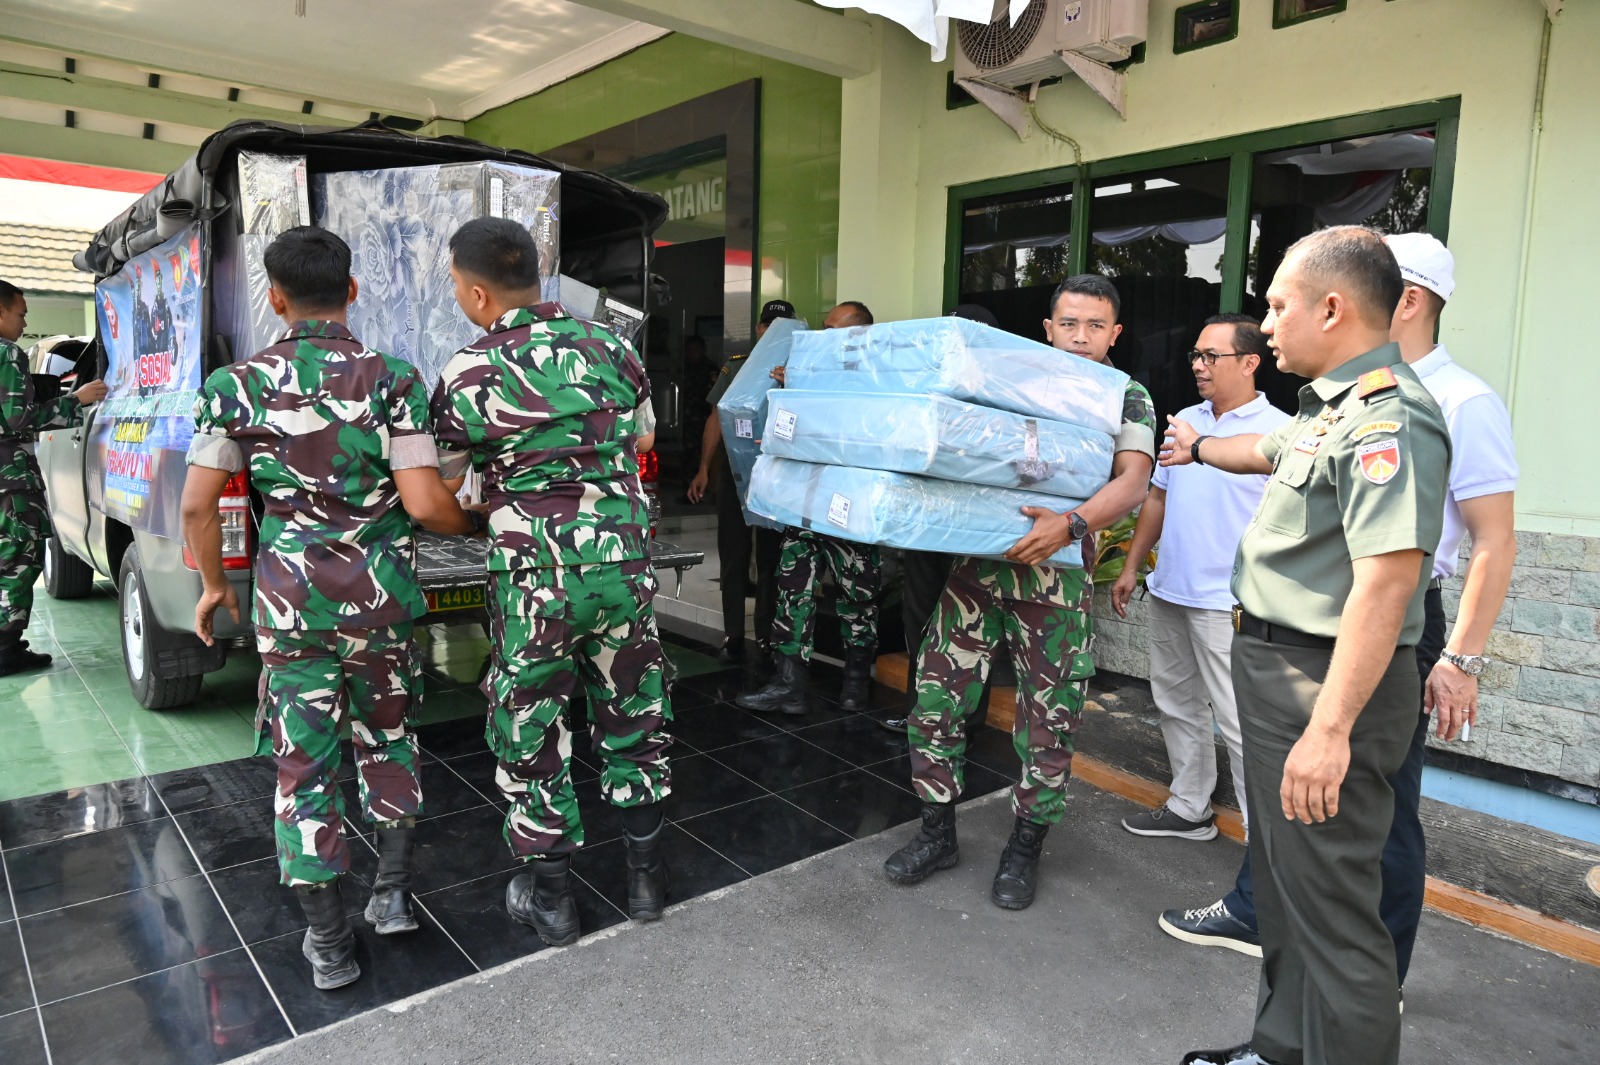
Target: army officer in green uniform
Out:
[1330,579]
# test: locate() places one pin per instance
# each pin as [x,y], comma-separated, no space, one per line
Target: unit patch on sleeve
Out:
[1374,427]
[1380,460]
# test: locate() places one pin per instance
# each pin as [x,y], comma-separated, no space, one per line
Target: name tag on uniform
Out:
[839,510]
[783,425]
[1309,445]
[744,428]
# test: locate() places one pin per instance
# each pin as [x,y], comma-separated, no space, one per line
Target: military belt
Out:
[1251,625]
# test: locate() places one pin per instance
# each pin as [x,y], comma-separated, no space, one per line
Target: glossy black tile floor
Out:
[142,920]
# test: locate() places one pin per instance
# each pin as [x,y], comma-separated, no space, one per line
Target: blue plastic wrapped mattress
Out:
[936,436]
[965,360]
[743,407]
[899,510]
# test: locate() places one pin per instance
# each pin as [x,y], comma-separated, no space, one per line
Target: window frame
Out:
[1443,115]
[1180,46]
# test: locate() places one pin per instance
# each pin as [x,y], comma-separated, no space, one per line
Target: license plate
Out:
[455,598]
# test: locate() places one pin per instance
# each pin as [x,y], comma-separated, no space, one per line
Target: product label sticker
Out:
[783,425]
[744,428]
[1372,428]
[497,197]
[1380,460]
[301,194]
[839,510]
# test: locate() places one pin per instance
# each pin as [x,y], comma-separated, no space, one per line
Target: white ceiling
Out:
[446,58]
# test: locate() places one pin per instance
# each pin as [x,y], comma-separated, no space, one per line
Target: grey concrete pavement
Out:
[826,961]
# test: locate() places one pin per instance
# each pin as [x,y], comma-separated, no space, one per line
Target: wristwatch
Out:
[1076,526]
[1194,450]
[1471,665]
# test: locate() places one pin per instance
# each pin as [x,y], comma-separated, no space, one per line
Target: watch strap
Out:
[1194,450]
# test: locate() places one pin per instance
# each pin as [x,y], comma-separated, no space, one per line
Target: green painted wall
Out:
[799,208]
[1523,222]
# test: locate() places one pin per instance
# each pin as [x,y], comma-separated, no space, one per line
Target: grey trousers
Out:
[1329,988]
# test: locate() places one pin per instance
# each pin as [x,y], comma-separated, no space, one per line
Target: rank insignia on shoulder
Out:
[1379,380]
[1380,460]
[1374,427]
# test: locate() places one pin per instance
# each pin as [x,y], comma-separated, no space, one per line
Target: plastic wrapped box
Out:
[962,359]
[273,198]
[743,407]
[899,510]
[937,436]
[398,223]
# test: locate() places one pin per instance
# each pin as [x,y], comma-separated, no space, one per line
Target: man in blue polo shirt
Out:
[1199,513]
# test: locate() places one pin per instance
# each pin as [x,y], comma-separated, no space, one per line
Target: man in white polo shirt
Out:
[1199,513]
[1479,504]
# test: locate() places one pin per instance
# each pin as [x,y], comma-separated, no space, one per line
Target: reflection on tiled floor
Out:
[142,920]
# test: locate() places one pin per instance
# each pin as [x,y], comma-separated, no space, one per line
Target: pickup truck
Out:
[114,480]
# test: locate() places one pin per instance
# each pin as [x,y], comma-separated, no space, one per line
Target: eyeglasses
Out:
[1210,357]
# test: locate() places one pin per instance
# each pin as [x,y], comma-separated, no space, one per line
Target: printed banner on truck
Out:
[150,316]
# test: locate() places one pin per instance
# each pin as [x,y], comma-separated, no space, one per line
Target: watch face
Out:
[1473,665]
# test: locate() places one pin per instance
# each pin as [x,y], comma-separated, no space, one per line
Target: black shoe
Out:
[1239,1055]
[895,723]
[784,694]
[15,657]
[330,943]
[389,909]
[648,876]
[1163,822]
[1018,875]
[857,689]
[731,653]
[544,900]
[1211,926]
[934,847]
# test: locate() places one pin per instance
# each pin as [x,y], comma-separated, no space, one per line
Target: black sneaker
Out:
[1212,926]
[1163,822]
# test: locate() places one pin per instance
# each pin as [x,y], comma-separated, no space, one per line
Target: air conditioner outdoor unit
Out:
[1052,38]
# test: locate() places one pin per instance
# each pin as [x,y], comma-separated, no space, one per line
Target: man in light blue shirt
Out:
[1199,514]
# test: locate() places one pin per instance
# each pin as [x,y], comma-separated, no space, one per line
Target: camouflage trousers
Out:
[311,682]
[1042,615]
[552,631]
[857,570]
[24,526]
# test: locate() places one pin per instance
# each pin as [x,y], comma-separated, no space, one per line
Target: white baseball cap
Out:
[1425,262]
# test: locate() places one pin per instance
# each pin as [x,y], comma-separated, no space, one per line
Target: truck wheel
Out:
[139,645]
[65,575]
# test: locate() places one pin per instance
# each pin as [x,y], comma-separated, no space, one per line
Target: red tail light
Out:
[649,467]
[235,510]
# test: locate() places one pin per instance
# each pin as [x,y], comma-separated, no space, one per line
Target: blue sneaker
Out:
[1239,1055]
[1212,926]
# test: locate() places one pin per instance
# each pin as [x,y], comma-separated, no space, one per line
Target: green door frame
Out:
[1444,115]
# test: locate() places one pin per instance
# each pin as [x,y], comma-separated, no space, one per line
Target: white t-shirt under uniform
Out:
[1483,461]
[1207,511]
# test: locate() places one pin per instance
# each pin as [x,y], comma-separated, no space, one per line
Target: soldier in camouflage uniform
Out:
[542,408]
[858,573]
[24,517]
[336,439]
[1041,613]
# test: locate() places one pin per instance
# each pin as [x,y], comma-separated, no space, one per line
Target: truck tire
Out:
[139,641]
[65,575]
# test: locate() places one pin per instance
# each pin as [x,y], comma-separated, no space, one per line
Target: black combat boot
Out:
[934,847]
[1018,875]
[389,910]
[544,900]
[857,688]
[784,694]
[15,657]
[647,869]
[330,944]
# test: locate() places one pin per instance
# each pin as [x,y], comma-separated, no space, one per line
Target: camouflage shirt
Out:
[543,405]
[321,423]
[21,417]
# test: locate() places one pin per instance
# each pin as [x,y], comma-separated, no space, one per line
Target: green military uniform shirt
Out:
[1361,471]
[725,376]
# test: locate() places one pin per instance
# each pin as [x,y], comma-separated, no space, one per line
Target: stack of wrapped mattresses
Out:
[928,435]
